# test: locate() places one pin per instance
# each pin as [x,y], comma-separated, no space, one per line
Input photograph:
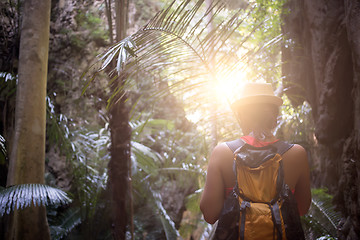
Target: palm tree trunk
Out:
[27,158]
[119,164]
[109,19]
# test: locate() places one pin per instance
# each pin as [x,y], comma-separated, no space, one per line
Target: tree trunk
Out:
[27,158]
[322,63]
[119,167]
[119,164]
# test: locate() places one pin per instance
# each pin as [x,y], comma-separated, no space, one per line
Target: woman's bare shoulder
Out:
[297,155]
[298,150]
[222,149]
[221,153]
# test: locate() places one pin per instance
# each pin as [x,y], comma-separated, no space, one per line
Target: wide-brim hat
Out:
[253,93]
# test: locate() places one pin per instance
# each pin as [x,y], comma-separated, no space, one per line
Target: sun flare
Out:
[226,87]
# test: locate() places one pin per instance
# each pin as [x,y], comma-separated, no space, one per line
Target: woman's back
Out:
[257,110]
[221,174]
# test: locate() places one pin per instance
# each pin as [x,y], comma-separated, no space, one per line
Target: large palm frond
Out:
[26,195]
[190,45]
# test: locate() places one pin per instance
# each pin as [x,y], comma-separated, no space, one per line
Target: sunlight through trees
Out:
[137,93]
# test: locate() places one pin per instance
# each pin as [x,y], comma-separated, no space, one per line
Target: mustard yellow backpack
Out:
[261,206]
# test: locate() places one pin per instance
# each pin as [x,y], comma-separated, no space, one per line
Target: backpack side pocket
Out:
[228,224]
[291,217]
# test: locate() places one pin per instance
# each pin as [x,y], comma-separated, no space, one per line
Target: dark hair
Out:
[258,120]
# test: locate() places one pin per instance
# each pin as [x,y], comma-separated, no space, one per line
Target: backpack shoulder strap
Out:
[282,146]
[236,144]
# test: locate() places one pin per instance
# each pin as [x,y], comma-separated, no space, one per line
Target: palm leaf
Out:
[146,159]
[178,169]
[178,46]
[179,37]
[168,224]
[27,195]
[3,152]
[65,223]
[151,126]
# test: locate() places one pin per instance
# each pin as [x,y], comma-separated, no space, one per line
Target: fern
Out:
[322,219]
[328,212]
[27,195]
[65,223]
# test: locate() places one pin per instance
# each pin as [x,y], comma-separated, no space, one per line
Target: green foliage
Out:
[145,10]
[122,51]
[89,167]
[86,150]
[170,150]
[8,82]
[57,130]
[150,212]
[147,220]
[77,42]
[178,45]
[8,85]
[27,195]
[174,54]
[62,225]
[155,168]
[296,124]
[267,64]
[168,224]
[178,54]
[89,158]
[192,222]
[92,23]
[146,158]
[322,219]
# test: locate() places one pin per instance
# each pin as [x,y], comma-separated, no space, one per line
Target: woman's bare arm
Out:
[302,188]
[212,199]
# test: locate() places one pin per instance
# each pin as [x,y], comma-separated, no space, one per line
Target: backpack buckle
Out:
[244,205]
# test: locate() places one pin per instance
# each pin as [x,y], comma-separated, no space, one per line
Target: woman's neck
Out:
[269,137]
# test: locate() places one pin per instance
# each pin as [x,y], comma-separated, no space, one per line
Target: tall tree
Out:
[120,139]
[27,158]
[322,63]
